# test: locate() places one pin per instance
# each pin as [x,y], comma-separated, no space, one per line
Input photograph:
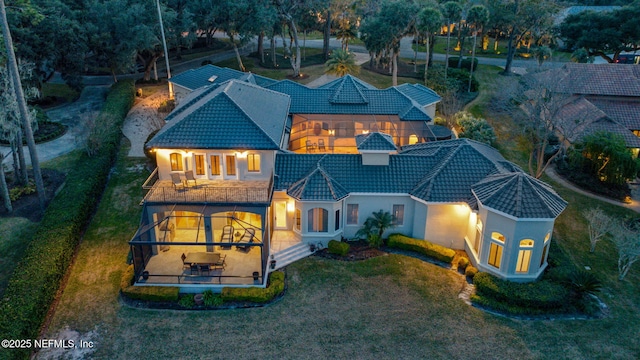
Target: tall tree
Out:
[604,34]
[599,224]
[627,241]
[429,22]
[452,13]
[22,105]
[516,18]
[477,18]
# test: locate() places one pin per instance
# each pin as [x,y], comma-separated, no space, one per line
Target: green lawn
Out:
[15,235]
[59,90]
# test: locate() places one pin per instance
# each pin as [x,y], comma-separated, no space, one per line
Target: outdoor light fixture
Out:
[242,155]
[290,206]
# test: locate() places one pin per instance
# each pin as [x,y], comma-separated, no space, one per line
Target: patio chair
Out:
[194,268]
[220,264]
[321,145]
[184,264]
[311,147]
[189,177]
[227,236]
[205,269]
[177,181]
[246,238]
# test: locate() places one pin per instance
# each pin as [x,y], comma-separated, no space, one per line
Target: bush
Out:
[37,277]
[187,301]
[470,272]
[473,128]
[338,247]
[254,294]
[167,106]
[421,246]
[466,63]
[463,262]
[152,293]
[542,294]
[579,174]
[211,299]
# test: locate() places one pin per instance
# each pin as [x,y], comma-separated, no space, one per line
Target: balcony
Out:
[209,191]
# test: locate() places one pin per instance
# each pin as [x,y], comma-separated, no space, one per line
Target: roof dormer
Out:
[375,148]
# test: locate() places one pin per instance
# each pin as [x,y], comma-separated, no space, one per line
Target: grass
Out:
[59,90]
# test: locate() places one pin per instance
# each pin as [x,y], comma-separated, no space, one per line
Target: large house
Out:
[251,178]
[599,97]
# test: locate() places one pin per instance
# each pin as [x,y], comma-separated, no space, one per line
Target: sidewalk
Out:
[551,172]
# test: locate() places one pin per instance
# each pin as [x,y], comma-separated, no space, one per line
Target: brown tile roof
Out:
[597,79]
[626,113]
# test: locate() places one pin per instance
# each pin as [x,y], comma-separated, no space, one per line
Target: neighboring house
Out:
[601,97]
[282,167]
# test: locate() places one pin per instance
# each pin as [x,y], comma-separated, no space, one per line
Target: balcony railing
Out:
[209,191]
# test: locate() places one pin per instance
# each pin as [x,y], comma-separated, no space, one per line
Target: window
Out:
[176,161]
[352,214]
[318,220]
[215,164]
[398,214]
[545,250]
[478,239]
[337,220]
[495,255]
[231,165]
[298,219]
[199,159]
[253,162]
[524,256]
[497,237]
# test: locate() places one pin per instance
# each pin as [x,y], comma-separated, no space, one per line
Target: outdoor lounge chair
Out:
[247,238]
[189,176]
[311,147]
[227,237]
[177,181]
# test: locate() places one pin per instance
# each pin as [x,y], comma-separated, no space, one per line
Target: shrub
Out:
[470,272]
[167,106]
[152,293]
[254,294]
[477,129]
[211,299]
[187,301]
[421,246]
[540,294]
[338,247]
[37,277]
[466,63]
[374,240]
[463,262]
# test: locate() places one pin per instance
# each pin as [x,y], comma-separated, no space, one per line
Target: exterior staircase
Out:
[290,255]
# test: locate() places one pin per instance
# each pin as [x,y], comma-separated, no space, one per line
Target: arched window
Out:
[524,256]
[495,249]
[318,220]
[176,161]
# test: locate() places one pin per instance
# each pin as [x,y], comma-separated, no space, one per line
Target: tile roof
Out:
[347,78]
[229,116]
[196,78]
[443,171]
[626,113]
[519,195]
[375,141]
[350,96]
[419,93]
[597,79]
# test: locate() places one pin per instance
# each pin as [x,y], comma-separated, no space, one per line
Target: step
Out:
[290,255]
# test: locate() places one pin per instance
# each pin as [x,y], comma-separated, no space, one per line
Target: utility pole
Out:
[22,105]
[166,52]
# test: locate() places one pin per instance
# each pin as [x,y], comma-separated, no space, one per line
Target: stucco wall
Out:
[368,203]
[375,158]
[447,224]
[267,158]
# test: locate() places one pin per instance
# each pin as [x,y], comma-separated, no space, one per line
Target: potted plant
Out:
[199,299]
[145,275]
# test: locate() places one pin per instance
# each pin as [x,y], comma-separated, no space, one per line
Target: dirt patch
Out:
[27,206]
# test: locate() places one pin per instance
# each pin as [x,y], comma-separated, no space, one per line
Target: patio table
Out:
[202,258]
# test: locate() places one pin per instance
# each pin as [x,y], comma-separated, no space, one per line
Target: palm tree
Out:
[375,226]
[452,12]
[341,63]
[429,21]
[477,17]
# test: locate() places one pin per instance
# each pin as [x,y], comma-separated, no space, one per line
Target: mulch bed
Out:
[27,206]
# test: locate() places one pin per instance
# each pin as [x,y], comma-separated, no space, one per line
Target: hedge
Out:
[539,295]
[152,293]
[421,246]
[254,294]
[338,247]
[37,277]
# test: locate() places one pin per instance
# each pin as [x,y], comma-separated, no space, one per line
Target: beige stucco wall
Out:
[368,203]
[447,224]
